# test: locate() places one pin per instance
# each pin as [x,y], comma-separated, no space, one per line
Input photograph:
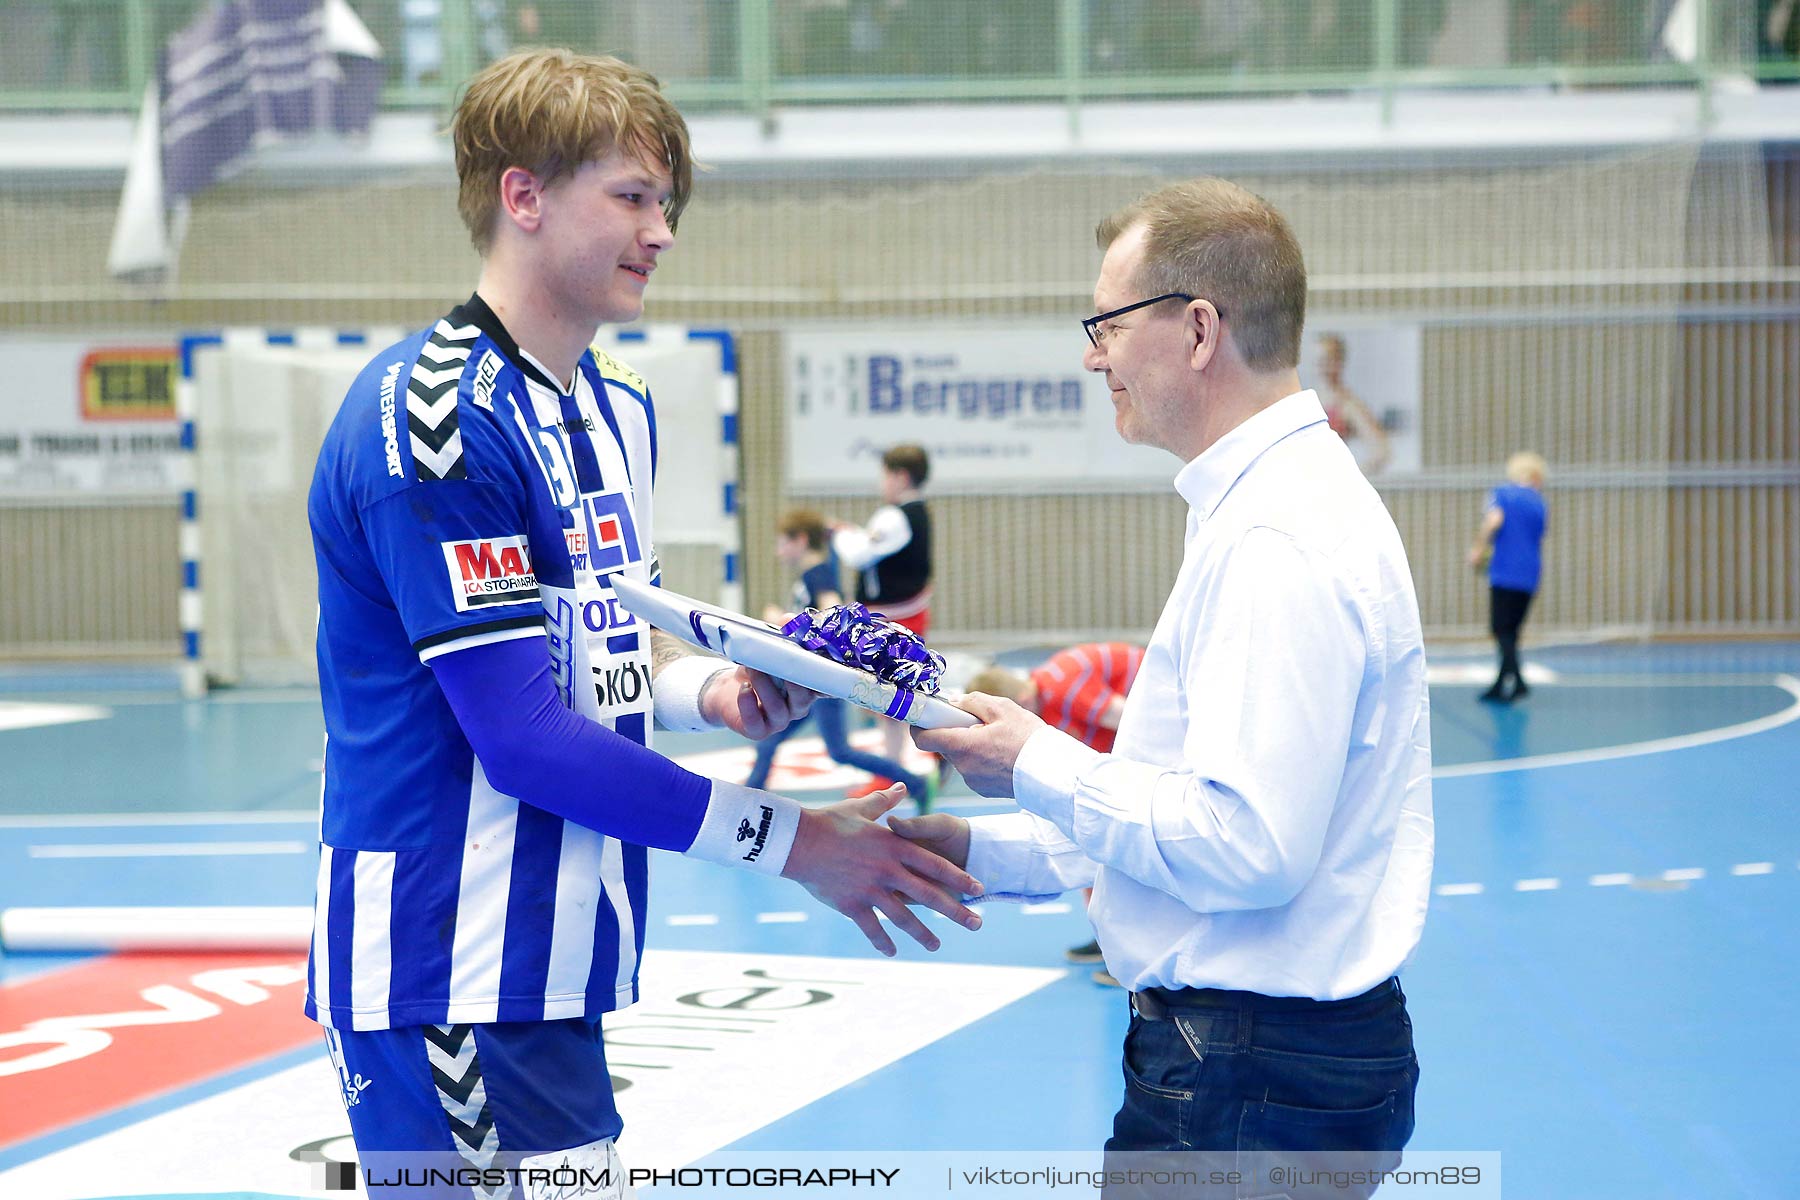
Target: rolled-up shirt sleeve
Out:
[1269,684]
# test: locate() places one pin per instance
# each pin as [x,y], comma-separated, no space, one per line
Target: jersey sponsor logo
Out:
[760,833]
[621,686]
[612,532]
[390,432]
[485,374]
[560,626]
[605,616]
[489,571]
[577,542]
[613,370]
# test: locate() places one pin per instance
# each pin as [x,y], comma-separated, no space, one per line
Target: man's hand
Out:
[984,756]
[853,864]
[1113,713]
[753,704]
[944,834]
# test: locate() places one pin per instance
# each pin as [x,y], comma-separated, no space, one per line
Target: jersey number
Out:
[556,467]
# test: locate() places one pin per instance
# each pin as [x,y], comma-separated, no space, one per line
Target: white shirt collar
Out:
[561,389]
[1204,481]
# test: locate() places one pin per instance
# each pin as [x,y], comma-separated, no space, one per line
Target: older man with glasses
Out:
[1260,837]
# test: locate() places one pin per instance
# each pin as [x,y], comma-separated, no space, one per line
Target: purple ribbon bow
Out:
[856,637]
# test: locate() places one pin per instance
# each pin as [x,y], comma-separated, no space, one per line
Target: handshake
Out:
[864,869]
[843,854]
[850,861]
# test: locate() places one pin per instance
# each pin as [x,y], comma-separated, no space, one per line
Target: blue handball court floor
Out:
[1604,998]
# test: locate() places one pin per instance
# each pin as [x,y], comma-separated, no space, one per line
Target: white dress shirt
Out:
[1264,820]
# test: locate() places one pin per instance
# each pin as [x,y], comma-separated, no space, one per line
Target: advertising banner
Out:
[1008,408]
[1012,408]
[88,415]
[1369,379]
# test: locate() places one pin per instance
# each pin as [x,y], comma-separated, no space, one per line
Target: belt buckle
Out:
[1148,1005]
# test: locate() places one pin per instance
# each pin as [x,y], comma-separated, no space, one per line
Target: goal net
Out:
[261,404]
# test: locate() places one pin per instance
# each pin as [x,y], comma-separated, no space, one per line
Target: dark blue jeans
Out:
[829,715]
[1251,1079]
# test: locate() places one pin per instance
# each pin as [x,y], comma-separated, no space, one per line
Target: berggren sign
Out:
[1011,406]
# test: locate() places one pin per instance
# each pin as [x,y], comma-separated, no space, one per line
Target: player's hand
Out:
[984,756]
[850,862]
[944,834]
[753,704]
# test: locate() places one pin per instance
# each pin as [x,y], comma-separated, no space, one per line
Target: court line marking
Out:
[1611,879]
[37,714]
[296,816]
[780,918]
[165,849]
[144,697]
[1786,682]
[1452,674]
[694,919]
[1663,679]
[1686,741]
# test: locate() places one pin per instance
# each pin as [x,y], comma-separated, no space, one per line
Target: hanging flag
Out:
[243,74]
[140,239]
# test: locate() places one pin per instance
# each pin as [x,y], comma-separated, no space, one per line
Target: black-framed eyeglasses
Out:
[1091,324]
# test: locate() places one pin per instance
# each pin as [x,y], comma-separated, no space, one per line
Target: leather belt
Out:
[1156,1004]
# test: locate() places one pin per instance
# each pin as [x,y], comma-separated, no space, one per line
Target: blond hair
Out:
[1211,239]
[1527,467]
[999,681]
[551,111]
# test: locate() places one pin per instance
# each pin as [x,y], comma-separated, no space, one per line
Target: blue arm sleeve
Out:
[535,749]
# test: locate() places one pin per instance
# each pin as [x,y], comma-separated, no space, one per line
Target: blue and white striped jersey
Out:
[462,498]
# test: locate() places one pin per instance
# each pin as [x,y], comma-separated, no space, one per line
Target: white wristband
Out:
[677,690]
[745,827]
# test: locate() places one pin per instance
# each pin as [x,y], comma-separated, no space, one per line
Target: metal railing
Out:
[753,56]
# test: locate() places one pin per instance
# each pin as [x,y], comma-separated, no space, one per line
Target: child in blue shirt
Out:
[1510,543]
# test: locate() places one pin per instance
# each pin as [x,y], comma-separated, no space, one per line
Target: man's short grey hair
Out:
[1214,240]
